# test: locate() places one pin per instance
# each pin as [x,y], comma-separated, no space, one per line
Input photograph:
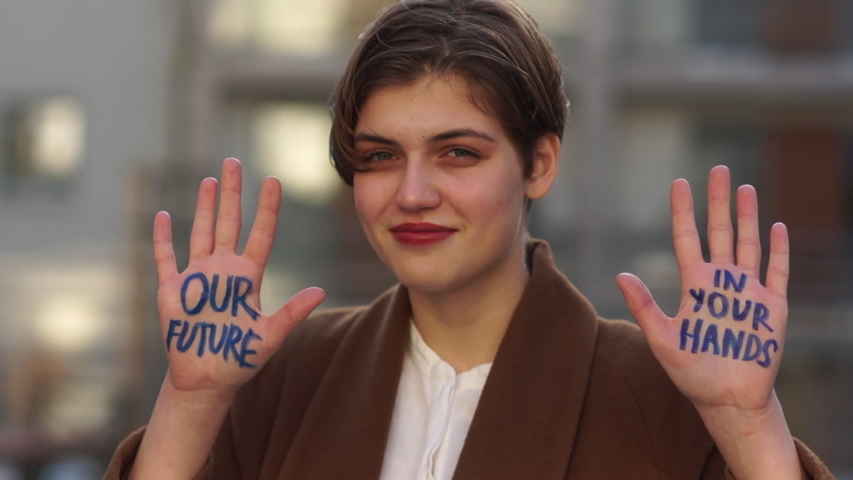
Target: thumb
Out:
[640,302]
[291,314]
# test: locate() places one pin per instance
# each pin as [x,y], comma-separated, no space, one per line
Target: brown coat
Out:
[570,396]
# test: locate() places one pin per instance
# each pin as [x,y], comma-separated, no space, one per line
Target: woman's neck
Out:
[465,326]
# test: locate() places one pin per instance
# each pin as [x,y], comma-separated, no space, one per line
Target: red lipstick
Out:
[417,234]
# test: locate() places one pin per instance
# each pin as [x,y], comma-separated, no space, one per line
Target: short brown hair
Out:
[493,44]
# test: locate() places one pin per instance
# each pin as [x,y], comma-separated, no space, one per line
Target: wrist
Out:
[180,433]
[756,444]
[204,398]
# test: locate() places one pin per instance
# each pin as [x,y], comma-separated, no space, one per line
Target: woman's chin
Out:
[427,283]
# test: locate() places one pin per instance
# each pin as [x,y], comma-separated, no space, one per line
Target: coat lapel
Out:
[345,430]
[527,418]
[528,414]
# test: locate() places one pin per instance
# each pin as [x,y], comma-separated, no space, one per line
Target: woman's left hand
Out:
[724,346]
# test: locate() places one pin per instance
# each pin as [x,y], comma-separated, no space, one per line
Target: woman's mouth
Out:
[418,234]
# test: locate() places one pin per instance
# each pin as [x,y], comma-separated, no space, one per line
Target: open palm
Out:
[215,334]
[724,346]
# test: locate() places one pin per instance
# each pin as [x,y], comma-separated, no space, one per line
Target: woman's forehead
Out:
[426,107]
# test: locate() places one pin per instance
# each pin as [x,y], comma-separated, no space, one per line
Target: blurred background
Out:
[110,111]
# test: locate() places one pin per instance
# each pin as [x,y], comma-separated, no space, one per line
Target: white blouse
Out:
[432,414]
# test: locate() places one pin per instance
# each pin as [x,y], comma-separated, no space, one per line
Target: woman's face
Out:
[443,200]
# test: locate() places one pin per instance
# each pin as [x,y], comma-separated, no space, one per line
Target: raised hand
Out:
[216,336]
[723,347]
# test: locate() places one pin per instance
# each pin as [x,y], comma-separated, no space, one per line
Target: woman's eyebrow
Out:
[450,134]
[369,137]
[461,132]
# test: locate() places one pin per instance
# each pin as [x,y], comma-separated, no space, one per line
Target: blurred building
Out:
[111,111]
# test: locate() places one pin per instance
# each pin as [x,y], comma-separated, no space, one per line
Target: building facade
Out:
[114,111]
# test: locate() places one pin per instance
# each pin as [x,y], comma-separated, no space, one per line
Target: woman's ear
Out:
[546,161]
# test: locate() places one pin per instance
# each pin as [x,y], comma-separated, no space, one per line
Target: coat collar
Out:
[528,414]
[527,418]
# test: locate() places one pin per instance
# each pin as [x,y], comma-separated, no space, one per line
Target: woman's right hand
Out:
[215,335]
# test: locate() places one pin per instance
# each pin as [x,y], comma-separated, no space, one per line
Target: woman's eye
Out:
[379,157]
[462,157]
[462,152]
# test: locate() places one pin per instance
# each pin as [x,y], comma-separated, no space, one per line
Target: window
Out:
[557,18]
[295,27]
[843,22]
[47,139]
[802,26]
[806,167]
[291,142]
[847,186]
[319,27]
[655,147]
[740,148]
[781,26]
[728,24]
[655,24]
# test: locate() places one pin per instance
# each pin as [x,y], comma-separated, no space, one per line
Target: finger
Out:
[229,220]
[295,311]
[720,234]
[164,253]
[778,266]
[641,304]
[201,237]
[262,235]
[685,238]
[748,241]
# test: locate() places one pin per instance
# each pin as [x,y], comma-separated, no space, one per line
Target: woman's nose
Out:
[417,190]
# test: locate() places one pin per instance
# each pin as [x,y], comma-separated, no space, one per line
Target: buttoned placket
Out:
[447,393]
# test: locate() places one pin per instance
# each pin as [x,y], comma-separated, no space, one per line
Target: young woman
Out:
[484,362]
